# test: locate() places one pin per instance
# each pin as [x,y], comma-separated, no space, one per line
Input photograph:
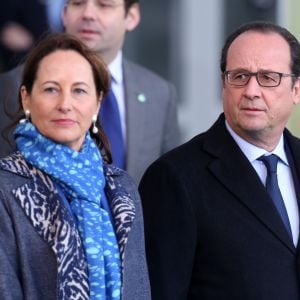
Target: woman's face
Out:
[63,99]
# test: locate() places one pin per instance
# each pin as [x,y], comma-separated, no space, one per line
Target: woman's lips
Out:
[64,122]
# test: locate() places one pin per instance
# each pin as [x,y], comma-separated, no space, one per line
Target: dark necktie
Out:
[111,122]
[272,187]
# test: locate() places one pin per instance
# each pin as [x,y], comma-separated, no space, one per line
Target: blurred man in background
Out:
[144,116]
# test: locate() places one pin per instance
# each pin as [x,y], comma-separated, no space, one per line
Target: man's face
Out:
[100,24]
[259,114]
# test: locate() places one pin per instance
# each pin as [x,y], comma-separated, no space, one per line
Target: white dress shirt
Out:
[284,175]
[116,71]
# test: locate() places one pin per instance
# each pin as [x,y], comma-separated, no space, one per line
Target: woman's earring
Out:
[27,116]
[95,128]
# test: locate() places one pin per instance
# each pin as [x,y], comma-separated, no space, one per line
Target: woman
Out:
[70,223]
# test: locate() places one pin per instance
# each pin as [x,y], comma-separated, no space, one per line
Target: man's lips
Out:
[87,31]
[252,110]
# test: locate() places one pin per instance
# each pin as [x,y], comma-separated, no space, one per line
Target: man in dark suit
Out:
[146,102]
[212,228]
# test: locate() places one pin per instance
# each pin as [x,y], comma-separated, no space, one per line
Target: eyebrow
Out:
[248,71]
[50,81]
[57,83]
[80,83]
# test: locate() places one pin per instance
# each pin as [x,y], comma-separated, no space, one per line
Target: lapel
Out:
[236,173]
[136,112]
[121,204]
[293,155]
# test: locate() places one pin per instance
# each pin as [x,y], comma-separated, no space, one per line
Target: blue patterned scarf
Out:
[80,176]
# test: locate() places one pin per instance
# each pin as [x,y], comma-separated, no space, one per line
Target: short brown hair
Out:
[129,3]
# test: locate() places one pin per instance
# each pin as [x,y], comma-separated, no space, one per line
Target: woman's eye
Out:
[79,91]
[50,90]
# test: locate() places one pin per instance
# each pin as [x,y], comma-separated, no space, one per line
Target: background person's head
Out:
[260,67]
[101,24]
[62,85]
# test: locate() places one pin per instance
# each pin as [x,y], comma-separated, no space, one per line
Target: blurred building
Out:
[182,40]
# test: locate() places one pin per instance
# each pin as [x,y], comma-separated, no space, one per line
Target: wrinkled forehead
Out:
[259,51]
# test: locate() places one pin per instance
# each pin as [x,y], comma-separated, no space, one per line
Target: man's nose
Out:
[90,9]
[252,89]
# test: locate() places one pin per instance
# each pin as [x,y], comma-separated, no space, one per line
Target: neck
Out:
[267,142]
[108,57]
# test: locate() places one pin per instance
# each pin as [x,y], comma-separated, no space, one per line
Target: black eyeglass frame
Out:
[256,74]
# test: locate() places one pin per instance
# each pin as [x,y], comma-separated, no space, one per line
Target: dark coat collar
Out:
[235,172]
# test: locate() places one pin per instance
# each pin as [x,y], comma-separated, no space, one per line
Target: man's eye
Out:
[106,4]
[240,76]
[268,77]
[76,2]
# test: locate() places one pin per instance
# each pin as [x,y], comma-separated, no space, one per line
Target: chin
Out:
[252,122]
[254,128]
[251,125]
[89,43]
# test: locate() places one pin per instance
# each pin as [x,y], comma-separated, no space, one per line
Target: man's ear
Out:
[296,91]
[133,17]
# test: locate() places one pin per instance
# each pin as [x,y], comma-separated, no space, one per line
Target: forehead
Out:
[62,62]
[256,50]
[112,2]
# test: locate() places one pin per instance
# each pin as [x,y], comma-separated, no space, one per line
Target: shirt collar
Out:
[253,152]
[115,68]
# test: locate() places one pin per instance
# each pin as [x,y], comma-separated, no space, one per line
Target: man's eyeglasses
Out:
[264,78]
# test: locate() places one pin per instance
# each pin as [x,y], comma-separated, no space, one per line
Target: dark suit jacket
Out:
[212,231]
[152,127]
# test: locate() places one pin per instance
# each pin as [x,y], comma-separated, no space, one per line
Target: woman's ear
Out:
[25,98]
[99,101]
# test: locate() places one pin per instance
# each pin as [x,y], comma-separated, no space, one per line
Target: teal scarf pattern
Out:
[80,177]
